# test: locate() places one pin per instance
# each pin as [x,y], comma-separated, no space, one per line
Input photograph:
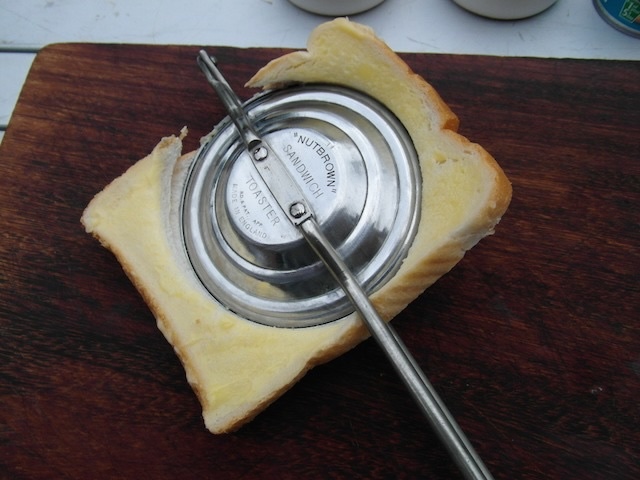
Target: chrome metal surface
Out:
[358,171]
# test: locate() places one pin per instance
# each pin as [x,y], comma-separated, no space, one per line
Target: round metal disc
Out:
[356,165]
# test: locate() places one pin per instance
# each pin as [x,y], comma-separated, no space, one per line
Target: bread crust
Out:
[237,367]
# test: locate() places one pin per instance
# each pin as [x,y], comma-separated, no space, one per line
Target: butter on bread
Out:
[237,367]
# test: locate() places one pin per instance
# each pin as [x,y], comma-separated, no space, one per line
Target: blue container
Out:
[621,14]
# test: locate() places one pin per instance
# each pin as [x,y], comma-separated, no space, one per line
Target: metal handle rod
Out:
[230,100]
[441,420]
[297,209]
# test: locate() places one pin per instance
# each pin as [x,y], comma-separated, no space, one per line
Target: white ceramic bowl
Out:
[336,7]
[505,9]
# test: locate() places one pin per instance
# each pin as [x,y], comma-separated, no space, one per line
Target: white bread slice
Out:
[238,367]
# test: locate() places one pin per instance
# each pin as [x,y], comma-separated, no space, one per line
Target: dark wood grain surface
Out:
[533,340]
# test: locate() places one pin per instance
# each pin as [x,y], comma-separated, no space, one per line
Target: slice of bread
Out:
[238,367]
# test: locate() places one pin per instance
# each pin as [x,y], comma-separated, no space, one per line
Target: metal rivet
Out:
[260,154]
[297,210]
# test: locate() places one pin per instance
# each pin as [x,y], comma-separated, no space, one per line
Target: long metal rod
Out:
[441,420]
[230,100]
[293,203]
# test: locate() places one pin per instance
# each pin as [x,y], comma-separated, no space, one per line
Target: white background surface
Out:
[570,28]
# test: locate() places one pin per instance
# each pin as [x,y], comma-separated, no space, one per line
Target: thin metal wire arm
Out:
[441,420]
[230,100]
[292,201]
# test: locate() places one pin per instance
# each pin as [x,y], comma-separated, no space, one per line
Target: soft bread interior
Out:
[237,367]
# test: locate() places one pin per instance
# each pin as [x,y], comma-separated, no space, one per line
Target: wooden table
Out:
[533,340]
